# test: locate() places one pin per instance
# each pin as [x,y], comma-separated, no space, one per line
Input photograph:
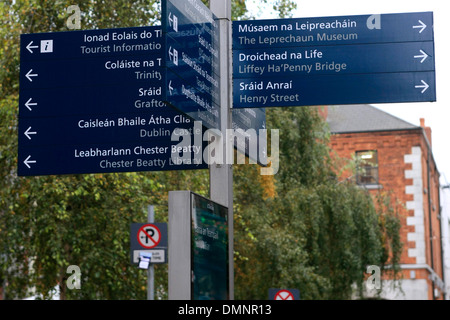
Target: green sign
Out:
[209,250]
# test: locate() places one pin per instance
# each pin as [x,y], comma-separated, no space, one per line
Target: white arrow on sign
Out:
[28,104]
[29,75]
[28,162]
[424,86]
[173,54]
[28,132]
[170,19]
[423,55]
[170,87]
[173,20]
[422,26]
[29,47]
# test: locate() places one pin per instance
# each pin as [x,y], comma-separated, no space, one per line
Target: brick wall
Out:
[403,168]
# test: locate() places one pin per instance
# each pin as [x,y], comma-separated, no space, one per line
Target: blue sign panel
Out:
[93,43]
[325,31]
[369,58]
[191,36]
[92,71]
[204,78]
[334,60]
[90,101]
[188,14]
[86,100]
[192,101]
[104,128]
[113,157]
[334,89]
[249,125]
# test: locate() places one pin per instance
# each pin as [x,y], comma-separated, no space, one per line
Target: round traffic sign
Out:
[149,236]
[284,295]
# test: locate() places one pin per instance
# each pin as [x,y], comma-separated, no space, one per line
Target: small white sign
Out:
[175,23]
[157,256]
[46,46]
[144,260]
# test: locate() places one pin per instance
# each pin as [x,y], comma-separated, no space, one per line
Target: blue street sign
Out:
[250,141]
[86,94]
[190,13]
[90,102]
[87,100]
[334,60]
[369,58]
[189,27]
[198,70]
[191,35]
[192,101]
[93,43]
[138,71]
[334,89]
[191,83]
[113,157]
[325,31]
[105,128]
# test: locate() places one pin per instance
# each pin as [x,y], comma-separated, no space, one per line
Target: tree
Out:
[316,234]
[51,222]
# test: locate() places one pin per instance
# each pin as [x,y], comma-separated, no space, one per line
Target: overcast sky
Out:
[436,114]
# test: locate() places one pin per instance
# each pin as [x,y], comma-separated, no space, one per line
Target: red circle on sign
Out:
[150,240]
[284,295]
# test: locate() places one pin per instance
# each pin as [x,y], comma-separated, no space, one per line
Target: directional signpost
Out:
[90,101]
[96,101]
[385,58]
[196,58]
[191,35]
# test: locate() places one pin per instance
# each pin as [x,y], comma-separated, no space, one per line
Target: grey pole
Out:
[180,277]
[221,176]
[151,268]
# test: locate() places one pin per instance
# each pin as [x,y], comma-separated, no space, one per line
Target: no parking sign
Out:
[148,238]
[284,294]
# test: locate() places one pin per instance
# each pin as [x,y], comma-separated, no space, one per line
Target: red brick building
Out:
[391,154]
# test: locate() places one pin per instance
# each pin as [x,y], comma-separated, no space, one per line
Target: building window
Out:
[367,167]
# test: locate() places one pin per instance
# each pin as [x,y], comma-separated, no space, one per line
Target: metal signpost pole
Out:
[221,176]
[151,268]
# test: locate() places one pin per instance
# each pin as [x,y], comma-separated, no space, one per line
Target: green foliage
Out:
[317,235]
[50,222]
[284,8]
